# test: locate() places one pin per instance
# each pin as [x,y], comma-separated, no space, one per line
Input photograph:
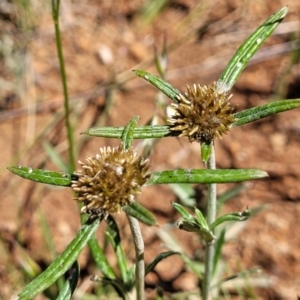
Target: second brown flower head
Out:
[202,114]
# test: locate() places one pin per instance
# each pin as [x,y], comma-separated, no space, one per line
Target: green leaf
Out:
[70,285]
[127,134]
[243,274]
[139,212]
[47,235]
[159,258]
[182,211]
[43,176]
[54,156]
[161,59]
[238,216]
[205,151]
[131,275]
[218,249]
[151,9]
[239,61]
[205,233]
[185,193]
[191,224]
[229,194]
[100,259]
[61,264]
[140,132]
[115,240]
[205,176]
[162,85]
[200,218]
[259,112]
[115,283]
[196,267]
[29,267]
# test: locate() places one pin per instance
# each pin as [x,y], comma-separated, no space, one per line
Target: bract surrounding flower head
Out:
[110,180]
[202,114]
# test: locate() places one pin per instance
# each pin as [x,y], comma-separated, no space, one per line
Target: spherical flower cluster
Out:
[202,114]
[109,180]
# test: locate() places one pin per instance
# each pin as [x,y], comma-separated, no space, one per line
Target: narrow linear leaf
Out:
[238,216]
[205,152]
[161,59]
[47,235]
[231,193]
[115,283]
[127,134]
[61,264]
[54,156]
[244,273]
[195,266]
[100,259]
[190,226]
[115,239]
[259,112]
[140,132]
[141,213]
[70,285]
[121,258]
[185,193]
[205,233]
[239,61]
[182,211]
[150,10]
[65,293]
[218,249]
[159,83]
[205,176]
[131,274]
[201,219]
[28,266]
[159,258]
[43,176]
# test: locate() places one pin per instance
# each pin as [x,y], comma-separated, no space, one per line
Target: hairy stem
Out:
[55,15]
[211,216]
[139,254]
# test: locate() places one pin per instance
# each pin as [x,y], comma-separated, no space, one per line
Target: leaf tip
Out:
[263,174]
[85,132]
[282,12]
[12,168]
[285,9]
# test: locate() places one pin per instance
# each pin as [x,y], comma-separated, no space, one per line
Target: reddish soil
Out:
[102,43]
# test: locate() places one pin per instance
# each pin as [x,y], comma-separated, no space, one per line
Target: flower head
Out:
[202,114]
[110,180]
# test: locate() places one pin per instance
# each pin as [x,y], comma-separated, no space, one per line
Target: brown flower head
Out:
[202,114]
[110,180]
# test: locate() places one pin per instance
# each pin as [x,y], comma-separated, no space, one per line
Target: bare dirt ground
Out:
[103,41]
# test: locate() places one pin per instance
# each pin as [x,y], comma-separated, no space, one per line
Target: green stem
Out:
[55,15]
[211,216]
[139,254]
